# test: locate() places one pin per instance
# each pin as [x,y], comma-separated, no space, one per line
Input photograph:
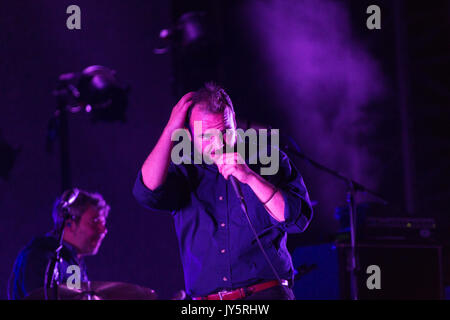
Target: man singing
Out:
[222,258]
[84,231]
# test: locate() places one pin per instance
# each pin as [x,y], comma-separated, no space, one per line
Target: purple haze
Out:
[324,79]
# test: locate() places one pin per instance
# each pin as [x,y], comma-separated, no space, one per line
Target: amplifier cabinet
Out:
[386,272]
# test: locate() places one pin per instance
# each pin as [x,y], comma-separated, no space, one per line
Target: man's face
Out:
[212,135]
[88,234]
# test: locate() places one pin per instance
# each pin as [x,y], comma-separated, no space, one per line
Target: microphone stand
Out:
[352,188]
[52,271]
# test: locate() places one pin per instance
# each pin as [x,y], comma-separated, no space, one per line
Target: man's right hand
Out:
[178,115]
[154,169]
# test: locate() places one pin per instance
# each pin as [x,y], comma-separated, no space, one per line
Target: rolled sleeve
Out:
[298,211]
[170,196]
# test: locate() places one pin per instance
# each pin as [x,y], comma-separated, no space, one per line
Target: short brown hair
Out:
[82,200]
[213,97]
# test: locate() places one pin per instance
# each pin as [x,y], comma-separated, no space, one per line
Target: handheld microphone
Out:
[238,191]
[236,187]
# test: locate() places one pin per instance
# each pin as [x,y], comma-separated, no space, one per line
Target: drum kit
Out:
[100,290]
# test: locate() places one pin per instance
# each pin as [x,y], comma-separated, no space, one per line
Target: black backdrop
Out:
[141,247]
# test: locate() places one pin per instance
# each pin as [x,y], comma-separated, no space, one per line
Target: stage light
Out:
[95,90]
[190,30]
[192,26]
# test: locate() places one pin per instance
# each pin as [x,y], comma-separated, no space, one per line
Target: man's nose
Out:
[102,229]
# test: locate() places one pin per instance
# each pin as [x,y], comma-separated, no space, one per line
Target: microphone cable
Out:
[237,188]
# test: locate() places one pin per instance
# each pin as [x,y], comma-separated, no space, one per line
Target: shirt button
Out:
[225,279]
[222,251]
[222,225]
[220,198]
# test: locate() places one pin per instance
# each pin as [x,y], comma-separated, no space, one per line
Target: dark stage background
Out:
[372,104]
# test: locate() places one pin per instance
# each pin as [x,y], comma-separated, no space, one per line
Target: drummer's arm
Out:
[35,265]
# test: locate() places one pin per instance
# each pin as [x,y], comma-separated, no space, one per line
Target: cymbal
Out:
[64,293]
[99,290]
[121,291]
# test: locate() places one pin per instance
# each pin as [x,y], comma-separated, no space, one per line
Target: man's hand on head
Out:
[155,168]
[178,116]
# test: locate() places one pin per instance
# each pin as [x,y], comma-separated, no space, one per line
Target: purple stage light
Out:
[324,78]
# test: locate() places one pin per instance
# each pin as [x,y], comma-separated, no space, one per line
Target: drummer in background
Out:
[83,235]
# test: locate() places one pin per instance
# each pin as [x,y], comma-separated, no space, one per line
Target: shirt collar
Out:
[71,248]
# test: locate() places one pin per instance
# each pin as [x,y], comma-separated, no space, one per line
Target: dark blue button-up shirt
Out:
[31,263]
[218,249]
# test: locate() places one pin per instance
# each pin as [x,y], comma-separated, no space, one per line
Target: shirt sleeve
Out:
[171,196]
[29,272]
[298,210]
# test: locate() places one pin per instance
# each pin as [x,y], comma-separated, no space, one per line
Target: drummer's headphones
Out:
[67,199]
